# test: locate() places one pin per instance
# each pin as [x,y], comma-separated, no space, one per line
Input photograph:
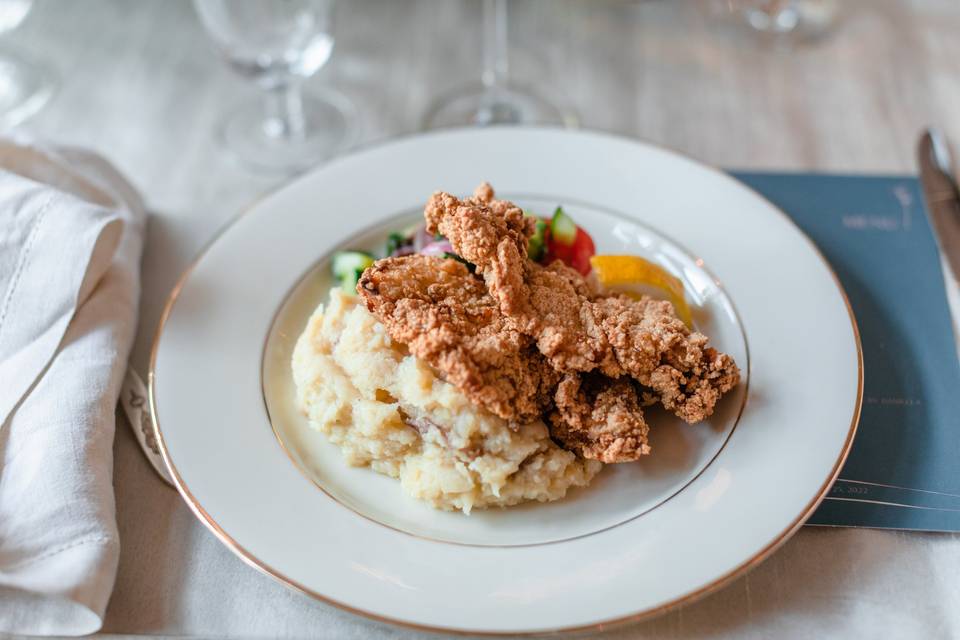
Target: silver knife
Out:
[942,194]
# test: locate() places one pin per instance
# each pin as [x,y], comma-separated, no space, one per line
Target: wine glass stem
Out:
[495,51]
[285,112]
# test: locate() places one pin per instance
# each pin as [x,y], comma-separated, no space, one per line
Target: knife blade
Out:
[942,194]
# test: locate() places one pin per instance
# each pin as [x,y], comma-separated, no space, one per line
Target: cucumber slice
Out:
[348,266]
[346,262]
[395,241]
[537,245]
[563,229]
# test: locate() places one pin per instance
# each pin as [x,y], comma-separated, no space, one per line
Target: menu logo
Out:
[900,221]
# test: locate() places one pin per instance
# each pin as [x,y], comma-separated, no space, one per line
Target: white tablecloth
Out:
[141,85]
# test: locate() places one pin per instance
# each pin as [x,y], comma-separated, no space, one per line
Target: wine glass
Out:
[25,85]
[278,44]
[495,100]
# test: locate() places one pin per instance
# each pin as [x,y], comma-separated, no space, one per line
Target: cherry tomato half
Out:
[576,255]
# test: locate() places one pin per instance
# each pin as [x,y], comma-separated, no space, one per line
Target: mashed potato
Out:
[386,409]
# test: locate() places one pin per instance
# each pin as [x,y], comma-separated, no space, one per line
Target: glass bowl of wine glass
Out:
[278,45]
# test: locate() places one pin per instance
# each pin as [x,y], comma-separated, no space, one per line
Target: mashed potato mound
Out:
[386,409]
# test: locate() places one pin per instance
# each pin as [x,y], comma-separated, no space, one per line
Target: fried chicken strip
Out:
[599,418]
[658,350]
[445,316]
[577,329]
[490,228]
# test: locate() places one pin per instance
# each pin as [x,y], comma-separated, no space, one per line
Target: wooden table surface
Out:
[141,85]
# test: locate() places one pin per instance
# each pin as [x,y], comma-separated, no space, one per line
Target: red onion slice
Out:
[437,248]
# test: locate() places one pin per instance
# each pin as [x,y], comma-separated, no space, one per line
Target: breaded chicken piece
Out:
[489,228]
[568,329]
[577,329]
[657,349]
[445,316]
[599,418]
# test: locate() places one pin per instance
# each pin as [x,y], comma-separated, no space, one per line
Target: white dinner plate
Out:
[710,502]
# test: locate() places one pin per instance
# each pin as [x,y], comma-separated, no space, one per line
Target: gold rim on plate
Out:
[647,614]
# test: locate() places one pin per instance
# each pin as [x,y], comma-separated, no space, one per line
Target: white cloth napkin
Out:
[71,233]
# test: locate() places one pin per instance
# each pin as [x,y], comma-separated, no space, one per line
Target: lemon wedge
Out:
[634,276]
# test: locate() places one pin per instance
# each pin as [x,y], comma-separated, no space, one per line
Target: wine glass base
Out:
[25,87]
[479,106]
[252,135]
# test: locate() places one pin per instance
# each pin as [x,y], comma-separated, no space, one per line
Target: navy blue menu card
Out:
[903,471]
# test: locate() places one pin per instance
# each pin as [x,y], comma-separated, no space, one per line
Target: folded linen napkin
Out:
[71,233]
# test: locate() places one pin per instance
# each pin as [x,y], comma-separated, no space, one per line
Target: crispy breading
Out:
[567,327]
[485,228]
[446,317]
[658,350]
[576,328]
[599,418]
